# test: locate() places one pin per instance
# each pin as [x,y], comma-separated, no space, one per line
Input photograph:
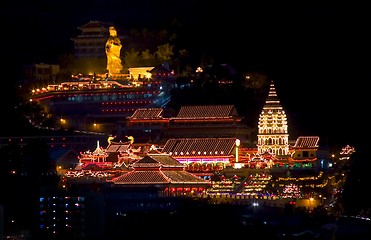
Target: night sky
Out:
[318,55]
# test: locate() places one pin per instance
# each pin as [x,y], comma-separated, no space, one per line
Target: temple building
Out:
[273,136]
[40,73]
[156,182]
[165,172]
[119,155]
[304,153]
[218,121]
[305,148]
[137,73]
[90,43]
[203,156]
[202,121]
[98,109]
[98,155]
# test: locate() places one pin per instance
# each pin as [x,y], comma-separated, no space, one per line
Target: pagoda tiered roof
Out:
[96,25]
[272,101]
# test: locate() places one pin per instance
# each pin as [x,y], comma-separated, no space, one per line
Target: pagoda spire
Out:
[272,99]
[272,126]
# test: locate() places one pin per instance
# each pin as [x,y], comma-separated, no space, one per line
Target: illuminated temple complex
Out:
[223,155]
[199,152]
[96,99]
[136,176]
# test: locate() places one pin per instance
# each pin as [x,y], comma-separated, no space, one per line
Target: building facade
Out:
[40,74]
[202,121]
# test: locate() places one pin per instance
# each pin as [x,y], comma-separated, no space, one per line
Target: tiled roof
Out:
[118,147]
[147,113]
[207,111]
[96,24]
[183,177]
[99,152]
[196,147]
[157,160]
[169,170]
[158,177]
[142,177]
[307,142]
[160,69]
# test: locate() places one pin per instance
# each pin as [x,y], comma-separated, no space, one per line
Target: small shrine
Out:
[98,155]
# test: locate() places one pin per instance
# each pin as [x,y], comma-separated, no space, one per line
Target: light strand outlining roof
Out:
[199,146]
[307,142]
[147,113]
[158,177]
[207,111]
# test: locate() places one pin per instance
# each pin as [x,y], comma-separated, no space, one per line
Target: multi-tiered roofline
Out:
[272,126]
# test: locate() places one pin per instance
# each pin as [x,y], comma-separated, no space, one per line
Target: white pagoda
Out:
[273,134]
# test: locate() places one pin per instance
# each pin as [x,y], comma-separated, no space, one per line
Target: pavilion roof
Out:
[96,24]
[147,113]
[207,111]
[118,147]
[158,160]
[197,147]
[98,151]
[158,169]
[158,177]
[163,68]
[307,142]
